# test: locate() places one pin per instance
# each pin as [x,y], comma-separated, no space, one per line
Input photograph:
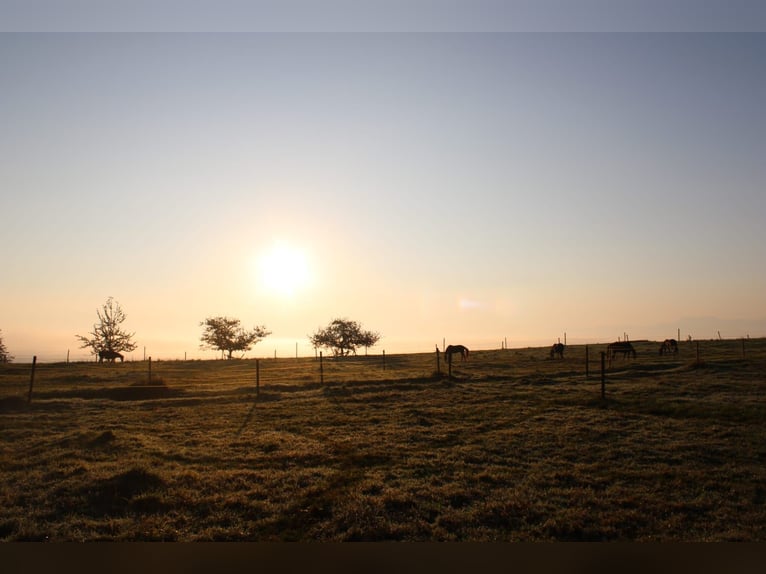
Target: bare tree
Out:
[107,334]
[343,337]
[226,334]
[4,356]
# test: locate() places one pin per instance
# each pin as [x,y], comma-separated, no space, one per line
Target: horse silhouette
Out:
[557,349]
[452,349]
[623,347]
[109,355]
[669,346]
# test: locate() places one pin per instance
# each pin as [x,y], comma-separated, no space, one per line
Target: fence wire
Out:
[243,375]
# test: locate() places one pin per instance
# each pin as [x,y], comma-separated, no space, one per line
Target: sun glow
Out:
[283,270]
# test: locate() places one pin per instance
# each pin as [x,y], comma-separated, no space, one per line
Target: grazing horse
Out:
[669,346]
[557,349]
[623,347]
[452,349]
[109,356]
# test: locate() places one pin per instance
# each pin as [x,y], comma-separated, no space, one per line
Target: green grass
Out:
[515,447]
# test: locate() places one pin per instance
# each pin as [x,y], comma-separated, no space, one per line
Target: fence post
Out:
[150,370]
[603,375]
[32,378]
[67,356]
[321,369]
[384,359]
[587,363]
[257,377]
[438,364]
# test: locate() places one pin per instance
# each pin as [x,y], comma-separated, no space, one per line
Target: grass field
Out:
[514,447]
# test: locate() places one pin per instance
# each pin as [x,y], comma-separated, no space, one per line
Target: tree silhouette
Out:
[107,334]
[226,334]
[343,337]
[4,356]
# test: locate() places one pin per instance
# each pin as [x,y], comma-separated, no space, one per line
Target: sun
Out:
[283,270]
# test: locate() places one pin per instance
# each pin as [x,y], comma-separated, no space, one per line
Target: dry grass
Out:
[516,446]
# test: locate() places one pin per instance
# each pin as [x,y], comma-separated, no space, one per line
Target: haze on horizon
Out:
[470,187]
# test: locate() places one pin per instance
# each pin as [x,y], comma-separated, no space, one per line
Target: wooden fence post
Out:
[32,379]
[384,359]
[321,369]
[257,377]
[603,375]
[438,364]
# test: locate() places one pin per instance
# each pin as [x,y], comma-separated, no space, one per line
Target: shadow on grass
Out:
[134,392]
[13,404]
[135,490]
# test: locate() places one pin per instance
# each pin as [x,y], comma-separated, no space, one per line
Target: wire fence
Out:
[85,357]
[131,357]
[61,379]
[144,354]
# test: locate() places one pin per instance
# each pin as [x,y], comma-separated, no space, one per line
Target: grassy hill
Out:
[515,446]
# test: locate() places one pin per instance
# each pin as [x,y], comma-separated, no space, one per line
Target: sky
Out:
[473,187]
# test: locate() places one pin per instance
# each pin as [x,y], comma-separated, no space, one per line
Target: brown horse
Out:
[109,356]
[623,347]
[452,349]
[669,346]
[557,349]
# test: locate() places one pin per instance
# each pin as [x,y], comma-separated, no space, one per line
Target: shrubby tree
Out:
[4,356]
[343,337]
[227,335]
[368,339]
[107,334]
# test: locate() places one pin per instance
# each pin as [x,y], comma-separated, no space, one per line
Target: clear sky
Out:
[467,186]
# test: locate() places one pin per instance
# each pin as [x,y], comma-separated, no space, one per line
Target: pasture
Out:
[516,446]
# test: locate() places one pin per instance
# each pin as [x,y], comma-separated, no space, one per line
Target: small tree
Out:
[226,334]
[343,337]
[4,356]
[369,339]
[107,334]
